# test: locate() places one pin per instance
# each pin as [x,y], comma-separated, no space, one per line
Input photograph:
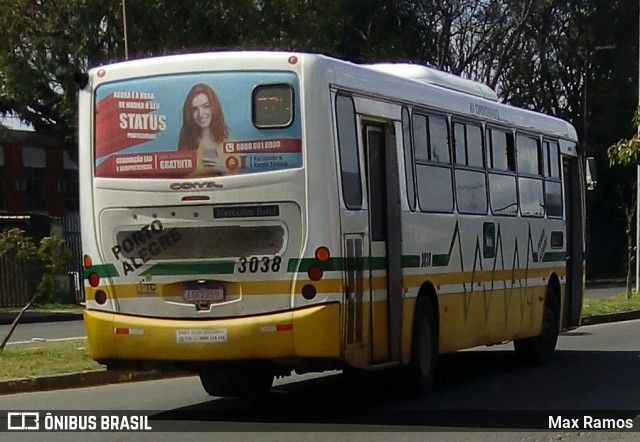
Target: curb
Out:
[613,317]
[33,317]
[91,378]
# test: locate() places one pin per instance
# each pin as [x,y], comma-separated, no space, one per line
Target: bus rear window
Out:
[272,106]
[204,242]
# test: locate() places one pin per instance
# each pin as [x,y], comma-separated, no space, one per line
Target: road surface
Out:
[595,371]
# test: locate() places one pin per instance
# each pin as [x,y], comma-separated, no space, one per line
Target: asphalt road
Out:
[44,330]
[605,291]
[482,390]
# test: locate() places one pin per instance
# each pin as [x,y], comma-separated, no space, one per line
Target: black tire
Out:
[240,379]
[542,347]
[424,350]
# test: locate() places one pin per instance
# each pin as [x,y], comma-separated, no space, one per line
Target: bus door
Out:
[354,225]
[385,250]
[574,240]
[370,226]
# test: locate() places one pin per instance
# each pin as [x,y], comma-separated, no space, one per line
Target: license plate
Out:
[204,293]
[199,336]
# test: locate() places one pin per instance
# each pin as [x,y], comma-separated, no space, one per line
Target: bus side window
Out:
[438,140]
[460,143]
[530,185]
[470,175]
[2,203]
[348,149]
[433,168]
[502,178]
[553,184]
[408,159]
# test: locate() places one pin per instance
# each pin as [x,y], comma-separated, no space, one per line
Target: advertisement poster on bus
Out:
[196,125]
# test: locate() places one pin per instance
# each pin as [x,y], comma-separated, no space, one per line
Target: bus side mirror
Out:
[591,173]
[81,79]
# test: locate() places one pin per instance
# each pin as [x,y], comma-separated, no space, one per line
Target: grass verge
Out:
[45,358]
[606,306]
[52,306]
[57,306]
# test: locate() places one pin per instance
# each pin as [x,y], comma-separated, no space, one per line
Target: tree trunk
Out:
[15,322]
[629,263]
[630,213]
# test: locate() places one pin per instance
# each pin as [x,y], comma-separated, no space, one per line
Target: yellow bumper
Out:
[309,332]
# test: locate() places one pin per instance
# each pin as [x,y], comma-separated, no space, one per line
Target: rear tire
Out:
[542,347]
[237,379]
[424,350]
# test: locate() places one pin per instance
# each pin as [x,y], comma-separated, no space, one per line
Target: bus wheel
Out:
[238,379]
[424,350]
[540,348]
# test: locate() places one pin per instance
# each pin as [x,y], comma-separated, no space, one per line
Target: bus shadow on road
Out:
[574,333]
[475,389]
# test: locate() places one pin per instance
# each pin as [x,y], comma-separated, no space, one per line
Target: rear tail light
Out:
[322,254]
[315,273]
[94,280]
[100,297]
[309,291]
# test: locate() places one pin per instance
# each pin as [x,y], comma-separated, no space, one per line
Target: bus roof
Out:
[426,87]
[425,74]
[411,84]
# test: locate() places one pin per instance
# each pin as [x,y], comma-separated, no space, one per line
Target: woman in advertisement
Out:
[204,130]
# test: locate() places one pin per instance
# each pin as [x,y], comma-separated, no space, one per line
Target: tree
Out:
[495,41]
[44,43]
[623,153]
[51,254]
[17,247]
[538,54]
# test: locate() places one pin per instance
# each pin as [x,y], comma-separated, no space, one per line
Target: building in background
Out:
[39,194]
[36,175]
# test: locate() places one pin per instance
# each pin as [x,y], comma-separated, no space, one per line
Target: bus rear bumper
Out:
[309,332]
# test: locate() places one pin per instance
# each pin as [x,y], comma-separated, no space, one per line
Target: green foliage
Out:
[50,255]
[15,243]
[43,44]
[570,59]
[46,359]
[616,304]
[539,54]
[55,260]
[625,152]
[525,47]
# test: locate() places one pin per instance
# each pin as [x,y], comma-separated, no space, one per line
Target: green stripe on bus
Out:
[440,260]
[191,268]
[103,271]
[294,265]
[410,261]
[303,264]
[553,257]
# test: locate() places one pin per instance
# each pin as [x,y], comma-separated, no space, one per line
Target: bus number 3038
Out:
[255,264]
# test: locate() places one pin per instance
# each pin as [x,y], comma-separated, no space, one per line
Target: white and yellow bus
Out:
[250,214]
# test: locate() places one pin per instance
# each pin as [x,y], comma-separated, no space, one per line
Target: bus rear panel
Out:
[194,216]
